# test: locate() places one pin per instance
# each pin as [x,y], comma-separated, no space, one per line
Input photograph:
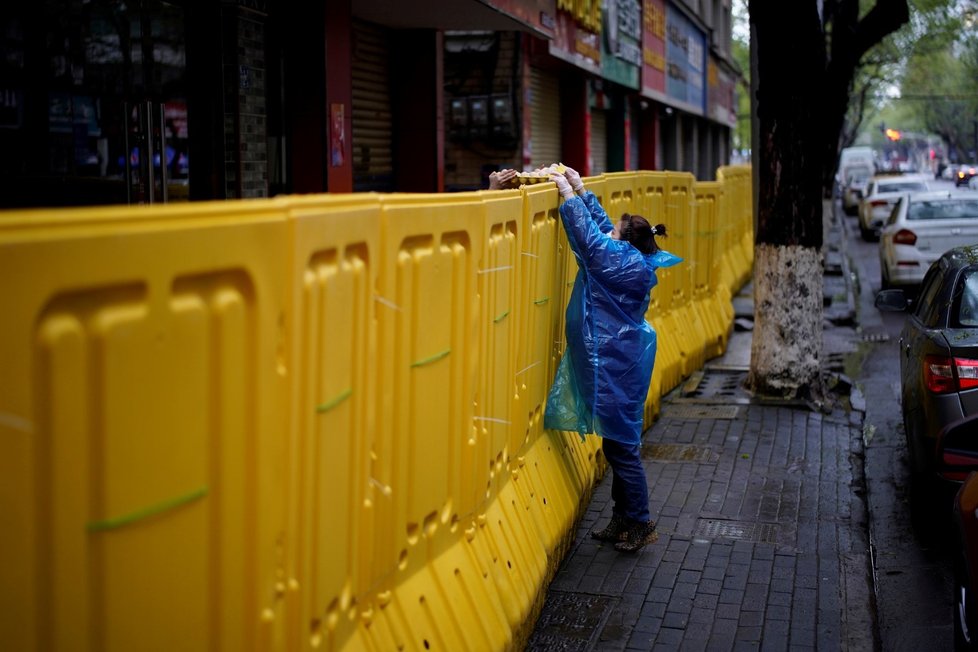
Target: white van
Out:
[852,159]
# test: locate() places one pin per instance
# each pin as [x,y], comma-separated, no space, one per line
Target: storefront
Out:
[97,104]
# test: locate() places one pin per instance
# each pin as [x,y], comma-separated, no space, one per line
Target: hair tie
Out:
[653,230]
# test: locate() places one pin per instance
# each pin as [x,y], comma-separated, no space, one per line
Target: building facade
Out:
[105,102]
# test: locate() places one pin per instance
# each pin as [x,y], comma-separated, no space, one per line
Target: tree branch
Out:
[885,17]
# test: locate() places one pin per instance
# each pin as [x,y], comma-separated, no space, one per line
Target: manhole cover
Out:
[680,453]
[569,621]
[739,530]
[702,412]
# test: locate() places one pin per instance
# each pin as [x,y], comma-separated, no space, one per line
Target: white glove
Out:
[574,178]
[563,185]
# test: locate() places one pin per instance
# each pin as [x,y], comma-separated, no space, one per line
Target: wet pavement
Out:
[912,567]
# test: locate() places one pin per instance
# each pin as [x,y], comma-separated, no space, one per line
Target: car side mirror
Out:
[892,301]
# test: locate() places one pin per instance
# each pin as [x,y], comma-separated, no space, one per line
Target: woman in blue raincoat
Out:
[604,375]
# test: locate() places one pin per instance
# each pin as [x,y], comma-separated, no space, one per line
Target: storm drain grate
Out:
[691,411]
[739,530]
[680,453]
[715,383]
[876,337]
[569,621]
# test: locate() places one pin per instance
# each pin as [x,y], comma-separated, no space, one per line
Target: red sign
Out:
[575,43]
[654,48]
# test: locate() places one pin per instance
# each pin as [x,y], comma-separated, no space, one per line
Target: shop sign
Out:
[577,37]
[654,48]
[621,52]
[720,94]
[538,14]
[685,62]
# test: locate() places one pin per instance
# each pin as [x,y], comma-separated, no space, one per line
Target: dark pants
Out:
[629,489]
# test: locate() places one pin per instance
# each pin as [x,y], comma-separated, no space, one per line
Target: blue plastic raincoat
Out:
[604,375]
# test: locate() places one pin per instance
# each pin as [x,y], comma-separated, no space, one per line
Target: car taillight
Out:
[943,374]
[905,236]
[876,203]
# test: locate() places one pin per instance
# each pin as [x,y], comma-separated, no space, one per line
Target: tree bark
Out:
[787,339]
[803,86]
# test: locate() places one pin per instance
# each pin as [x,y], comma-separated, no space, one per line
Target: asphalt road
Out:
[912,566]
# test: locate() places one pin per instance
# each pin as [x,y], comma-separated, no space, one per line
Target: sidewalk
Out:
[761,518]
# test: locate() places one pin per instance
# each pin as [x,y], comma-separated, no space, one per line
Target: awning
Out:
[482,15]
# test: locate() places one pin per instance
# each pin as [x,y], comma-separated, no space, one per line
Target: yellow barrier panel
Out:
[334,268]
[711,300]
[313,421]
[142,454]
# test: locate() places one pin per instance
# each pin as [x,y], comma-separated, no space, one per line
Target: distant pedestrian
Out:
[603,378]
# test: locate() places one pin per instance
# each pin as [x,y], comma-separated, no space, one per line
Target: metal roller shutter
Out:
[544,118]
[599,142]
[373,164]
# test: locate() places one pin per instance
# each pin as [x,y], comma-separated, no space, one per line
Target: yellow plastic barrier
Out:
[312,421]
[143,426]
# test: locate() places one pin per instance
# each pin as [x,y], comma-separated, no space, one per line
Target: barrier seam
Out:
[329,405]
[434,358]
[146,512]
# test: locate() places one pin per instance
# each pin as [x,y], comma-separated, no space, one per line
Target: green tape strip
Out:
[434,358]
[501,317]
[148,512]
[542,301]
[329,405]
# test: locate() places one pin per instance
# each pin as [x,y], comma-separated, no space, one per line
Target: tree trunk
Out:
[787,339]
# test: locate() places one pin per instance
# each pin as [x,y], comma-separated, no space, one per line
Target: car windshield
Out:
[903,186]
[859,175]
[967,312]
[943,209]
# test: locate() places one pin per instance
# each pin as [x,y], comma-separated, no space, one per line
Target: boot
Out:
[615,531]
[638,536]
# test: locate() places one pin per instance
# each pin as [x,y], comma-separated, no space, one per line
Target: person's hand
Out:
[501,179]
[563,185]
[574,178]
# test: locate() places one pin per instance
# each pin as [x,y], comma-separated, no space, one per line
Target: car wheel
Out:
[866,234]
[965,629]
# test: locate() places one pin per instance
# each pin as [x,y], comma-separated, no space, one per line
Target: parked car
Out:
[921,227]
[882,193]
[965,173]
[938,365]
[854,187]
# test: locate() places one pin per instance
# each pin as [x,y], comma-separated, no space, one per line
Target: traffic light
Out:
[892,134]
